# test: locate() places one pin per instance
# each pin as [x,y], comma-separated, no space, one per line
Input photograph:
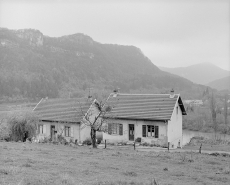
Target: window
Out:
[67,131]
[115,129]
[41,129]
[150,131]
[143,130]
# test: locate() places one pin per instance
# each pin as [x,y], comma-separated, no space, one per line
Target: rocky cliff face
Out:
[79,38]
[34,37]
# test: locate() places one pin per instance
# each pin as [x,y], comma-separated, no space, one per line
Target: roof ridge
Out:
[138,94]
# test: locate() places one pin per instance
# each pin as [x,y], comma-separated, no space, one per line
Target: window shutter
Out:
[121,129]
[110,128]
[143,130]
[71,131]
[44,129]
[156,131]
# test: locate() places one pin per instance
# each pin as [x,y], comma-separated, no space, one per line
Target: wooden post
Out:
[168,145]
[105,143]
[200,148]
[134,145]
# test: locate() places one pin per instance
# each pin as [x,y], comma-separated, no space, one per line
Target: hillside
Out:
[202,73]
[33,66]
[220,84]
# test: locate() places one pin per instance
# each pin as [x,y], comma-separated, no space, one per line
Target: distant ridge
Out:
[202,73]
[35,66]
[221,84]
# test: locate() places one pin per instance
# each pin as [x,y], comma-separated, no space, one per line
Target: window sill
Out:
[115,135]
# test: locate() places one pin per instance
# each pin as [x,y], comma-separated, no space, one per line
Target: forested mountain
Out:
[202,73]
[33,66]
[221,84]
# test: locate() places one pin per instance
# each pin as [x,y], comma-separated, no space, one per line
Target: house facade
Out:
[63,117]
[153,118]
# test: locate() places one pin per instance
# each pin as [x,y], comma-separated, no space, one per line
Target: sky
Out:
[171,33]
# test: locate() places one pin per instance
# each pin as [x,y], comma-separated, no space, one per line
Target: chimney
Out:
[171,93]
[115,92]
[90,98]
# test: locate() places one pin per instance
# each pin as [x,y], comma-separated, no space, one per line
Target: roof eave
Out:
[55,121]
[123,118]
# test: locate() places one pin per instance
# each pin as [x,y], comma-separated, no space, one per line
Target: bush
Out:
[61,140]
[22,125]
[122,143]
[87,142]
[45,140]
[145,144]
[138,140]
[99,140]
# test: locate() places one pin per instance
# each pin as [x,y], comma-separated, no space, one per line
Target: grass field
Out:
[39,164]
[214,148]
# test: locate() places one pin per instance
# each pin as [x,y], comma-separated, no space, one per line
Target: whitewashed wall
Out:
[84,132]
[59,127]
[175,128]
[162,140]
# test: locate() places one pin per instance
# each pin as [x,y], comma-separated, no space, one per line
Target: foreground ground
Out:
[27,163]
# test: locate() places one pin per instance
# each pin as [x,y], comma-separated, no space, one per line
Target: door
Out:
[131,132]
[52,132]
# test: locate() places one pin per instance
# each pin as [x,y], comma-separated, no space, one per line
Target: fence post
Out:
[168,145]
[200,148]
[105,143]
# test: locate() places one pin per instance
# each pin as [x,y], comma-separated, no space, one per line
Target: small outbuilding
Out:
[151,118]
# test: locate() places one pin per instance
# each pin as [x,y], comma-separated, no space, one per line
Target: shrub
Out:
[138,140]
[145,144]
[99,140]
[45,140]
[21,125]
[88,141]
[61,139]
[122,143]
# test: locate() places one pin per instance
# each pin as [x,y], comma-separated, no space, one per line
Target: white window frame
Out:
[41,128]
[67,134]
[152,132]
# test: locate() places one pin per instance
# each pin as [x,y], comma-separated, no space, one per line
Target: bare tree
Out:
[95,118]
[226,109]
[214,110]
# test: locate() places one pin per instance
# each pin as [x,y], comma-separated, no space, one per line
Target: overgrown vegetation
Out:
[213,116]
[19,126]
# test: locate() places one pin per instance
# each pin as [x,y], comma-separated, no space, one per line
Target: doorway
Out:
[131,132]
[52,132]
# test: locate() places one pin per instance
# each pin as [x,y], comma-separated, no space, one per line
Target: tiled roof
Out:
[64,110]
[143,106]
